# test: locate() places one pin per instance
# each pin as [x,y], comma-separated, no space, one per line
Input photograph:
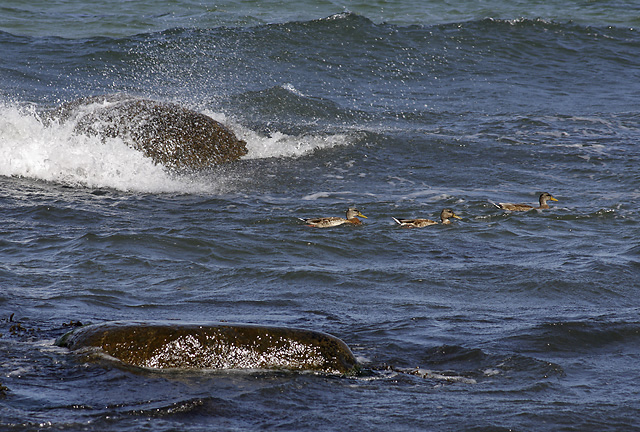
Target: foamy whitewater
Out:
[524,321]
[55,152]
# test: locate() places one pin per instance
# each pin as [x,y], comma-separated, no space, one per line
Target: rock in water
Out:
[171,135]
[192,346]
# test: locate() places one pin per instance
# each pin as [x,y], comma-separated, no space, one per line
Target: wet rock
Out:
[171,135]
[192,346]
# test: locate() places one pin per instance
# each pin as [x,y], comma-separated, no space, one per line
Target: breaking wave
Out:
[52,151]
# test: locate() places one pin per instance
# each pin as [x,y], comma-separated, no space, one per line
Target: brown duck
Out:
[445,216]
[327,222]
[544,197]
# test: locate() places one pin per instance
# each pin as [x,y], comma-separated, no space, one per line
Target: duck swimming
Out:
[445,215]
[544,197]
[327,222]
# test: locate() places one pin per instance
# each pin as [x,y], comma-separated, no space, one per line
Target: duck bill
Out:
[361,215]
[553,199]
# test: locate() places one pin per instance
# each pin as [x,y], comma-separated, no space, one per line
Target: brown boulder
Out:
[173,136]
[192,346]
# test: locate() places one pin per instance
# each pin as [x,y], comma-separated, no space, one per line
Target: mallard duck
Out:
[544,197]
[327,222]
[419,223]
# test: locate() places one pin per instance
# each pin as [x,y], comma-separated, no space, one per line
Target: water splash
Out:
[53,151]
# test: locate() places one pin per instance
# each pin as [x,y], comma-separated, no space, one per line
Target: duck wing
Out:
[324,222]
[416,223]
[515,207]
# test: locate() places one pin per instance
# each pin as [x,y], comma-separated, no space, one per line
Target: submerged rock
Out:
[192,346]
[171,135]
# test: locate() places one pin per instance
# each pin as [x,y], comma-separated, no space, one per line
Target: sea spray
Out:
[54,151]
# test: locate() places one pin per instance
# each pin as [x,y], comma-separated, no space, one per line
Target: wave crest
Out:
[52,151]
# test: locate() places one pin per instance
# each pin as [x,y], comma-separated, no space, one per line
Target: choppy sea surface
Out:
[499,321]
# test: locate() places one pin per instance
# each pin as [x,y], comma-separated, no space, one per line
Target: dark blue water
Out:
[500,321]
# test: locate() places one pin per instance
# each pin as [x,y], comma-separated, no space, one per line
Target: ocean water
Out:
[500,321]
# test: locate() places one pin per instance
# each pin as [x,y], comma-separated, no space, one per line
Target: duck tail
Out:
[397,221]
[494,204]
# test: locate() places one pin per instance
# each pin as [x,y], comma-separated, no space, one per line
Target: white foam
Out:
[289,87]
[345,195]
[278,144]
[53,152]
[426,373]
